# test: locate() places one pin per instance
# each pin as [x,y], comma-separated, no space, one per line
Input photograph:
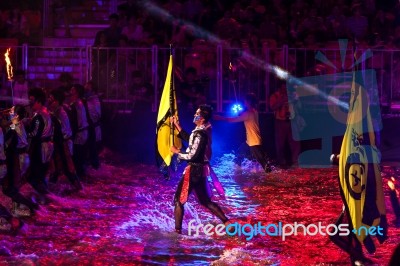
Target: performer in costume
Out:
[41,148]
[287,129]
[7,221]
[63,146]
[208,169]
[79,126]
[17,161]
[253,136]
[194,176]
[93,108]
[360,181]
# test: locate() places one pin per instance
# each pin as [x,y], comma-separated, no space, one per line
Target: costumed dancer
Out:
[194,176]
[7,221]
[93,108]
[208,169]
[40,133]
[79,126]
[360,181]
[17,161]
[288,124]
[63,146]
[253,136]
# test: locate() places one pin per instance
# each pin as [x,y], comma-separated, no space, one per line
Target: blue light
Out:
[236,109]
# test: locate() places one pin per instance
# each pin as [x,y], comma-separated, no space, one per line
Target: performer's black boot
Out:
[178,212]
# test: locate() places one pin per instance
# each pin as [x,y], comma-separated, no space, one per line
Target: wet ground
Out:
[124,216]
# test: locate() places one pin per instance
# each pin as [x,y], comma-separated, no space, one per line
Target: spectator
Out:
[182,35]
[249,21]
[357,25]
[129,8]
[227,27]
[113,32]
[19,27]
[336,23]
[5,27]
[192,90]
[125,59]
[20,88]
[268,28]
[142,92]
[237,11]
[174,7]
[208,18]
[382,26]
[101,56]
[255,44]
[192,10]
[134,32]
[313,23]
[285,110]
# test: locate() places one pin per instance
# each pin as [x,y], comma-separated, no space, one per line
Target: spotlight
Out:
[236,109]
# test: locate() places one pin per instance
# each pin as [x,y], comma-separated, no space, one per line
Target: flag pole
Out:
[171,97]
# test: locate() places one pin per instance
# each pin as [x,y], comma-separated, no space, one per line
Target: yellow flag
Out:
[166,136]
[359,173]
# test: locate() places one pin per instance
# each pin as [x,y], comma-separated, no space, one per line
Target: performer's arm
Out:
[196,149]
[73,120]
[37,127]
[10,139]
[242,117]
[182,133]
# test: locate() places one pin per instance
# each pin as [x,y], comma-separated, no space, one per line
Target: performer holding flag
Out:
[360,179]
[194,176]
[166,134]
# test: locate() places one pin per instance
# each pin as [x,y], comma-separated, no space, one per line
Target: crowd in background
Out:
[292,22]
[244,25]
[22,21]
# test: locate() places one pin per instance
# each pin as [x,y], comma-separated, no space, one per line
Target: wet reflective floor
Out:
[124,216]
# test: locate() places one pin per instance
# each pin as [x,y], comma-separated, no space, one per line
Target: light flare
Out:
[392,186]
[255,61]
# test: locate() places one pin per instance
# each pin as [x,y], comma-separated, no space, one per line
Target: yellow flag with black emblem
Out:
[359,171]
[166,134]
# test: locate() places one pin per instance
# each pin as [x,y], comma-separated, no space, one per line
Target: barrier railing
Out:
[224,75]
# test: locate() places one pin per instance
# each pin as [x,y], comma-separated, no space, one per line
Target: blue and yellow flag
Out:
[166,133]
[359,171]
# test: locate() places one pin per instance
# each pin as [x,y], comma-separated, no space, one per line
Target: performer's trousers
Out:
[38,170]
[283,137]
[200,188]
[258,153]
[79,159]
[63,162]
[94,148]
[4,213]
[13,180]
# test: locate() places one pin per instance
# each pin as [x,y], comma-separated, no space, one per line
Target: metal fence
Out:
[224,74]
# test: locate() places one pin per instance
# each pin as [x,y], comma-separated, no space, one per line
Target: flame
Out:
[9,65]
[391,185]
